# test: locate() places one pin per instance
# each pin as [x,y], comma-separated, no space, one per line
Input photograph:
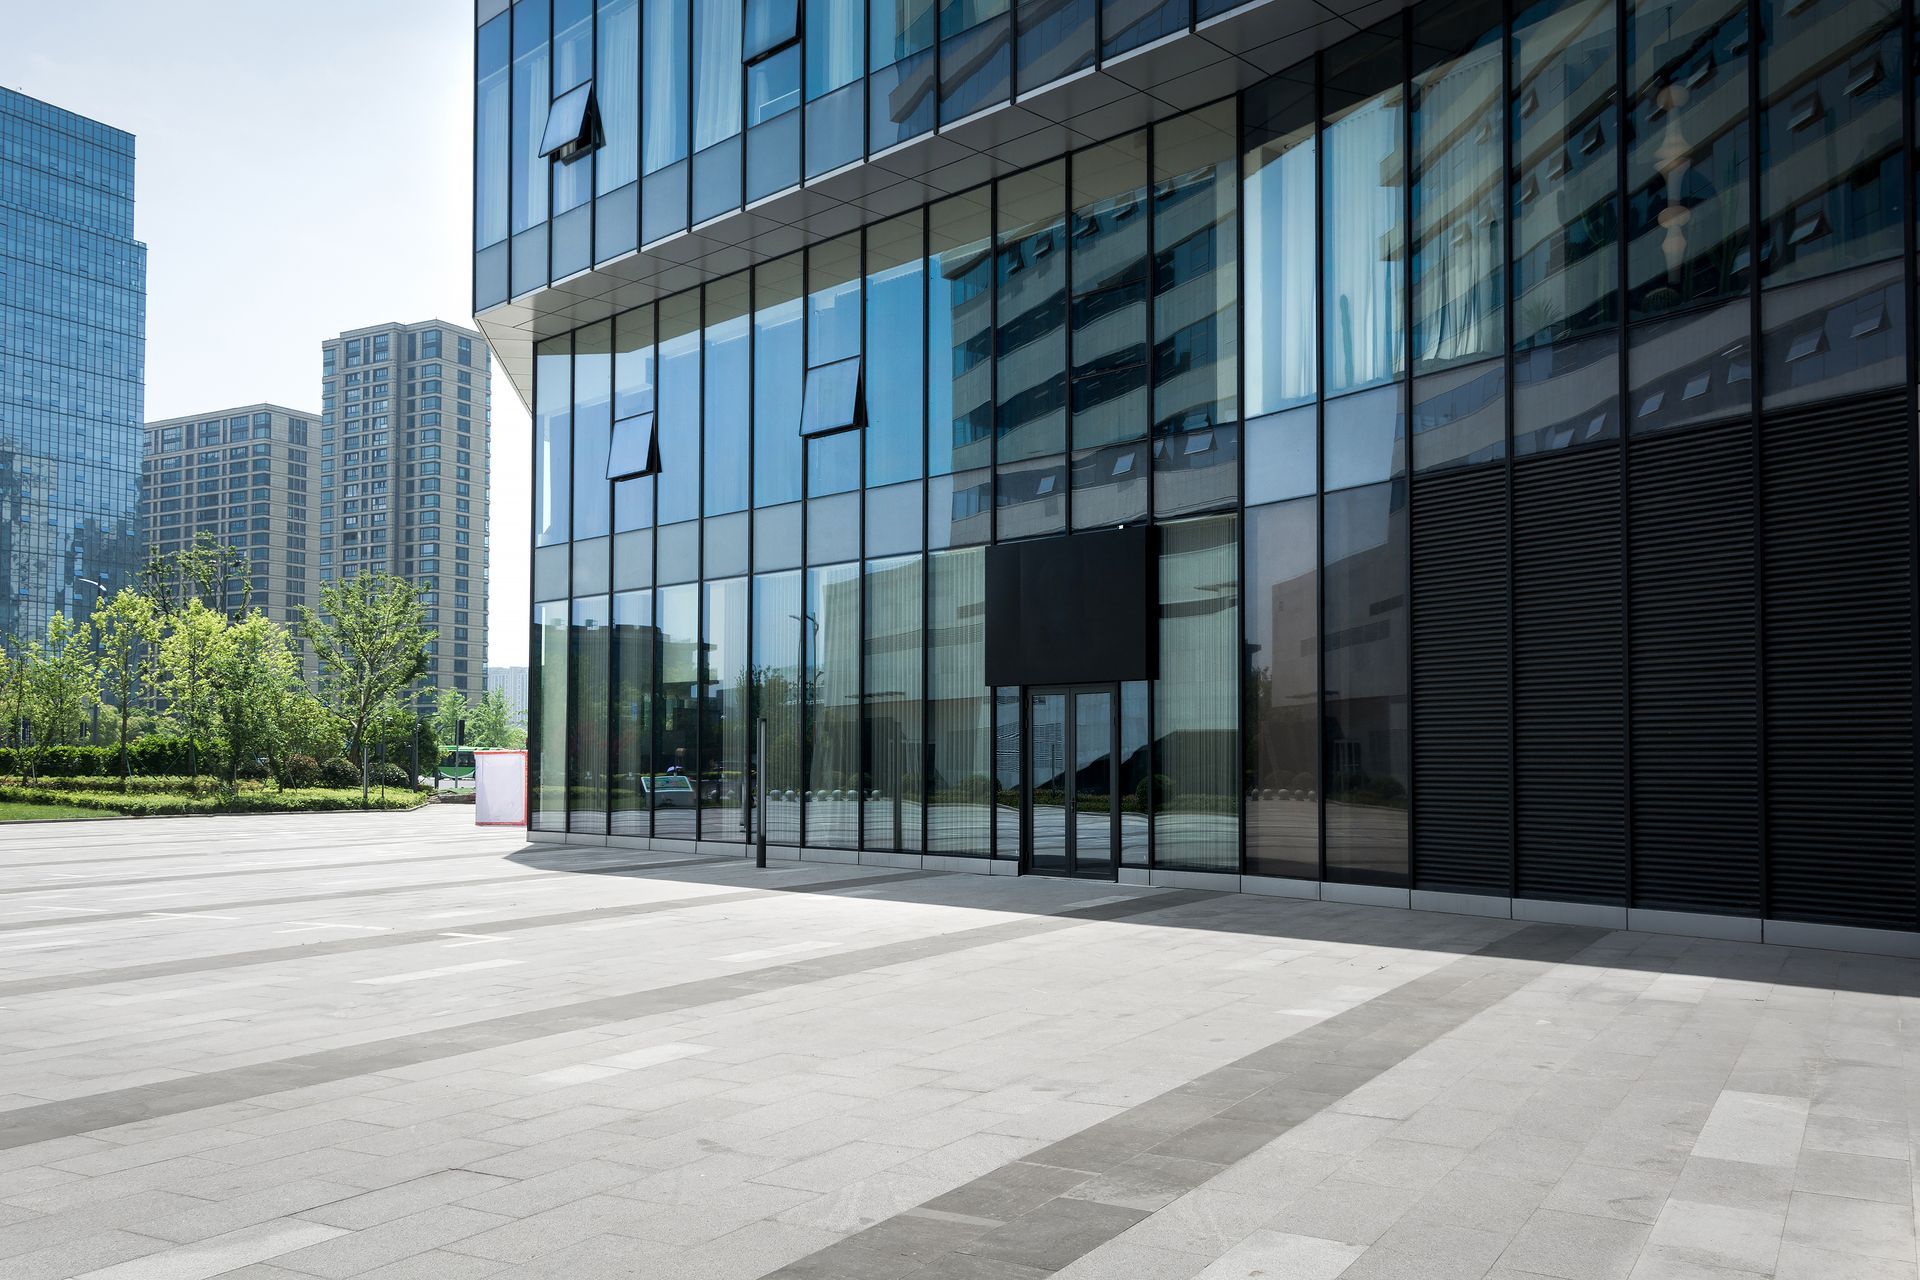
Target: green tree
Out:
[371,637]
[449,711]
[211,571]
[125,629]
[251,674]
[188,647]
[491,723]
[391,733]
[15,695]
[63,684]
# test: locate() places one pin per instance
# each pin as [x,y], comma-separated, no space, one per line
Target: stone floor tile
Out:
[1279,1255]
[1843,1225]
[1575,1246]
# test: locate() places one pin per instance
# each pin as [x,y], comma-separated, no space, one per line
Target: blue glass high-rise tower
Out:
[73,324]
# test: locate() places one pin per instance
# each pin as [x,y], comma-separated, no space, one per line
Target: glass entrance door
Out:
[1072,808]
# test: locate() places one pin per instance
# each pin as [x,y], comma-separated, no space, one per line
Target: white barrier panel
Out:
[500,788]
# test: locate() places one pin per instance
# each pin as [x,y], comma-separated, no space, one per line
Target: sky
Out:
[303,167]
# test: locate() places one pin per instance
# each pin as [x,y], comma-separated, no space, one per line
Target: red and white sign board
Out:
[500,788]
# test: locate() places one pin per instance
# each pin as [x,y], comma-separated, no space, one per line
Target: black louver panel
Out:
[1462,740]
[1842,841]
[1569,677]
[1693,631]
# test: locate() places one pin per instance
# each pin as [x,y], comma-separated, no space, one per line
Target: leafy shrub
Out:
[389,775]
[156,755]
[253,770]
[250,798]
[339,772]
[299,771]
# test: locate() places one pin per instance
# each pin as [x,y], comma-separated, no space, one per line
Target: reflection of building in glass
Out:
[1518,395]
[73,324]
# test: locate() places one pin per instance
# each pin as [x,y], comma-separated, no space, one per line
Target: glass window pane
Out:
[1366,744]
[976,65]
[899,29]
[832,399]
[1834,336]
[1459,211]
[725,731]
[552,439]
[1364,210]
[1031,277]
[1196,818]
[1283,364]
[633,363]
[773,89]
[587,718]
[896,376]
[771,24]
[728,373]
[1833,191]
[959,723]
[491,124]
[779,365]
[959,334]
[634,656]
[1460,416]
[530,100]
[1365,438]
[678,417]
[616,91]
[833,333]
[1696,367]
[673,782]
[635,451]
[716,71]
[1195,369]
[1031,497]
[1687,153]
[572,43]
[1109,239]
[1566,395]
[565,119]
[1283,690]
[547,743]
[776,673]
[902,102]
[1566,203]
[1110,485]
[833,706]
[1128,24]
[893,731]
[592,426]
[1056,39]
[835,42]
[666,52]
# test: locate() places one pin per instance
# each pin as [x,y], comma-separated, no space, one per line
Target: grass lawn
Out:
[153,797]
[25,811]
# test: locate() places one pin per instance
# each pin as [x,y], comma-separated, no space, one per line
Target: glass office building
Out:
[1459,455]
[73,301]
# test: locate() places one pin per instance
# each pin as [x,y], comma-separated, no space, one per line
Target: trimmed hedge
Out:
[150,756]
[140,803]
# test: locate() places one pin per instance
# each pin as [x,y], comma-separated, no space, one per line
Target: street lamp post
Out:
[99,594]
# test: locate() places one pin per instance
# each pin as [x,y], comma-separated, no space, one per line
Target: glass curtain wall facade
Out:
[1521,397]
[73,324]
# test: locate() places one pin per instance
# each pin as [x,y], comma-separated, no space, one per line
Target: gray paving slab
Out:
[280,1050]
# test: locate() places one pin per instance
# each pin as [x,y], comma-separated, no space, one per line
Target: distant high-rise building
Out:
[246,476]
[405,417]
[73,323]
[512,682]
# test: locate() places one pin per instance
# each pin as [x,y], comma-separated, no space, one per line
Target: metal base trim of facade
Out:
[1695,924]
[1366,895]
[1135,875]
[1280,887]
[1596,915]
[1214,881]
[1840,937]
[1463,904]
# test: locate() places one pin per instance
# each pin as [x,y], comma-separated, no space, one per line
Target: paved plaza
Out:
[395,1047]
